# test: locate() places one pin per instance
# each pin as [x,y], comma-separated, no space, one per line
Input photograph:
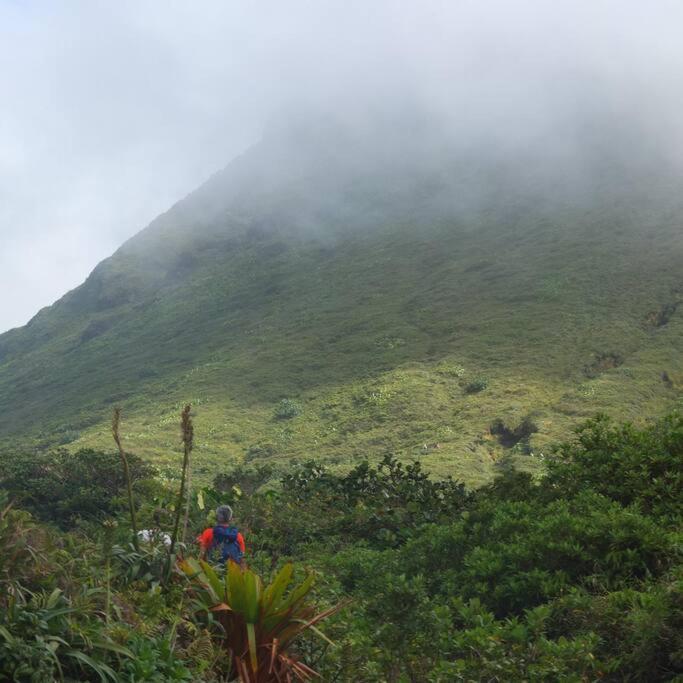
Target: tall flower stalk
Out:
[115,425]
[188,439]
[188,478]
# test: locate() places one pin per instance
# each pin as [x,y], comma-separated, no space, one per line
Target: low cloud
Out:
[114,111]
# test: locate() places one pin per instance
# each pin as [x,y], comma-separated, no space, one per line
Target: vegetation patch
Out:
[286,409]
[661,316]
[524,579]
[259,451]
[477,385]
[673,380]
[96,327]
[451,370]
[603,362]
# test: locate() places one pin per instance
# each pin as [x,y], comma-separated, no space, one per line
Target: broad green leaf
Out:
[214,581]
[274,592]
[300,592]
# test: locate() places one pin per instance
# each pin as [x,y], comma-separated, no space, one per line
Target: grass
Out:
[374,334]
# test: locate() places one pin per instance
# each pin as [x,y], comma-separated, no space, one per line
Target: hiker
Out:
[222,542]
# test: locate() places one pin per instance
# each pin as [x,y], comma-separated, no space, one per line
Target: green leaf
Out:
[300,592]
[53,599]
[100,668]
[252,595]
[213,581]
[274,592]
[251,633]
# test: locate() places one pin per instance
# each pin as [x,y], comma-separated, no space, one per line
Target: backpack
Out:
[225,539]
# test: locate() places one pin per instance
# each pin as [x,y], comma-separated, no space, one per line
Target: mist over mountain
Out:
[373,274]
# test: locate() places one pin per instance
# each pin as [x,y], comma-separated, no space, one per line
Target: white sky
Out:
[112,111]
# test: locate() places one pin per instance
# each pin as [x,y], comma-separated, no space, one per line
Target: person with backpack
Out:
[222,542]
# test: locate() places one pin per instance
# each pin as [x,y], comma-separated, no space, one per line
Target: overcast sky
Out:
[112,111]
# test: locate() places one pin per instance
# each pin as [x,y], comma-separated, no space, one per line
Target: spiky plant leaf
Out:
[259,624]
[274,592]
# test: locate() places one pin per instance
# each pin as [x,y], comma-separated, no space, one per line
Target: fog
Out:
[111,112]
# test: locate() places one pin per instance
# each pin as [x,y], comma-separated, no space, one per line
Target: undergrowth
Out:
[573,576]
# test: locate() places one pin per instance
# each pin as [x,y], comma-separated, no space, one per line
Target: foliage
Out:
[153,660]
[259,623]
[572,576]
[567,578]
[476,385]
[64,488]
[382,503]
[287,409]
[640,467]
[51,637]
[22,557]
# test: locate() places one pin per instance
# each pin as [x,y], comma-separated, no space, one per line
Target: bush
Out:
[153,661]
[63,487]
[286,409]
[245,479]
[260,450]
[625,463]
[382,504]
[476,385]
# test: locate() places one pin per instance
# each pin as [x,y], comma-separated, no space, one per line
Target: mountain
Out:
[340,295]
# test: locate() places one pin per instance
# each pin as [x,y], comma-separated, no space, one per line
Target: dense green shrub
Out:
[476,385]
[630,465]
[51,637]
[592,562]
[243,480]
[380,504]
[153,660]
[287,409]
[63,487]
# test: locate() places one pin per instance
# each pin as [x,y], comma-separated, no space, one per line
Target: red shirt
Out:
[205,539]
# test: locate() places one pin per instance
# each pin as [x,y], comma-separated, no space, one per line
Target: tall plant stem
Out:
[115,424]
[107,601]
[188,498]
[188,436]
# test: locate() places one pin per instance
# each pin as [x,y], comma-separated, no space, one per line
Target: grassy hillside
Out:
[393,315]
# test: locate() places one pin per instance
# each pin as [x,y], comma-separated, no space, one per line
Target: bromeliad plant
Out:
[259,623]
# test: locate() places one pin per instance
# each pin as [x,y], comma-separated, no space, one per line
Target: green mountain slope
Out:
[377,292]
